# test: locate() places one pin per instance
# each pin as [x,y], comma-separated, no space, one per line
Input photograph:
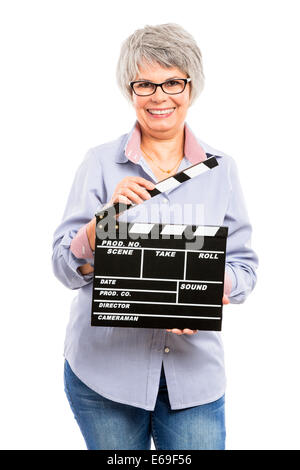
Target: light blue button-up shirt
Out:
[124,364]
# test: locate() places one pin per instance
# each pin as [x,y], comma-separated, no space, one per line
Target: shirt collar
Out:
[193,151]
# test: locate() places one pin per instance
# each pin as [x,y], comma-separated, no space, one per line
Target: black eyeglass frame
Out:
[185,80]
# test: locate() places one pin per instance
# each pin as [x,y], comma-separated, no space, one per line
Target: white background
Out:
[59,97]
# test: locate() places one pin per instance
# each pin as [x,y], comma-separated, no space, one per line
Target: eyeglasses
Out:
[170,87]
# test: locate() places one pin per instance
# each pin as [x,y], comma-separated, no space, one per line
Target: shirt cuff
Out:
[80,246]
[229,281]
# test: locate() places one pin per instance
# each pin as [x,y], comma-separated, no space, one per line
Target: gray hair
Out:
[166,44]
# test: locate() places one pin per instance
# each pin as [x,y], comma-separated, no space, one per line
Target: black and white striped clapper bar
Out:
[158,275]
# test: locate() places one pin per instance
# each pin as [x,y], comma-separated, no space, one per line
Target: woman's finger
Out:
[143,182]
[143,193]
[133,192]
[131,195]
[134,188]
[121,198]
[181,332]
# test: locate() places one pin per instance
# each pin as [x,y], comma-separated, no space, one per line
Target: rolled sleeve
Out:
[241,260]
[80,245]
[229,281]
[84,200]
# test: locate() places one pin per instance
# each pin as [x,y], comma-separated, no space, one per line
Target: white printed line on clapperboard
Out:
[157,315]
[137,290]
[156,279]
[167,249]
[184,269]
[152,302]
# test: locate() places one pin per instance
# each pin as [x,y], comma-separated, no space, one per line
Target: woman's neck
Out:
[163,150]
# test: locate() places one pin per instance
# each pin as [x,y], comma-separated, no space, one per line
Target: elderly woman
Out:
[126,385]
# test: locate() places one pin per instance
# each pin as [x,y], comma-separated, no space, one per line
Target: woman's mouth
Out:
[160,113]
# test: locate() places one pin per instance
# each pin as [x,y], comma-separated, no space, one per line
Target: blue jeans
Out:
[109,425]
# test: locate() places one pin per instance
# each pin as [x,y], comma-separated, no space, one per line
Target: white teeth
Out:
[163,111]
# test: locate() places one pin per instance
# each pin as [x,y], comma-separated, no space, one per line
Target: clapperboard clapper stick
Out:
[165,185]
[146,277]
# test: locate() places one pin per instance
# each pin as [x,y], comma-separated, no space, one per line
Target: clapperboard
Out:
[150,275]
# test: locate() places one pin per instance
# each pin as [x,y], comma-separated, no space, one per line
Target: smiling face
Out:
[170,122]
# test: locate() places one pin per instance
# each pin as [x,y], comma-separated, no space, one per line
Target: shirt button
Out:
[165,200]
[167,350]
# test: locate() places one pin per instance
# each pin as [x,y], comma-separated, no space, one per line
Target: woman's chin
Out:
[161,124]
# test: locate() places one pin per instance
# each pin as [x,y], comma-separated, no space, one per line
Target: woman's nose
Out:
[159,95]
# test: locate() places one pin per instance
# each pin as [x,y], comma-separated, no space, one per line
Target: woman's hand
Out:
[187,331]
[132,189]
[129,190]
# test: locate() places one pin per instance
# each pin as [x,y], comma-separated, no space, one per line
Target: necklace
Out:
[165,171]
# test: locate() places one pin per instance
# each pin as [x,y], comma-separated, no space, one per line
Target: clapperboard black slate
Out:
[159,275]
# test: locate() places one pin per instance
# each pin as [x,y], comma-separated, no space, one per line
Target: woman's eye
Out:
[145,85]
[172,83]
